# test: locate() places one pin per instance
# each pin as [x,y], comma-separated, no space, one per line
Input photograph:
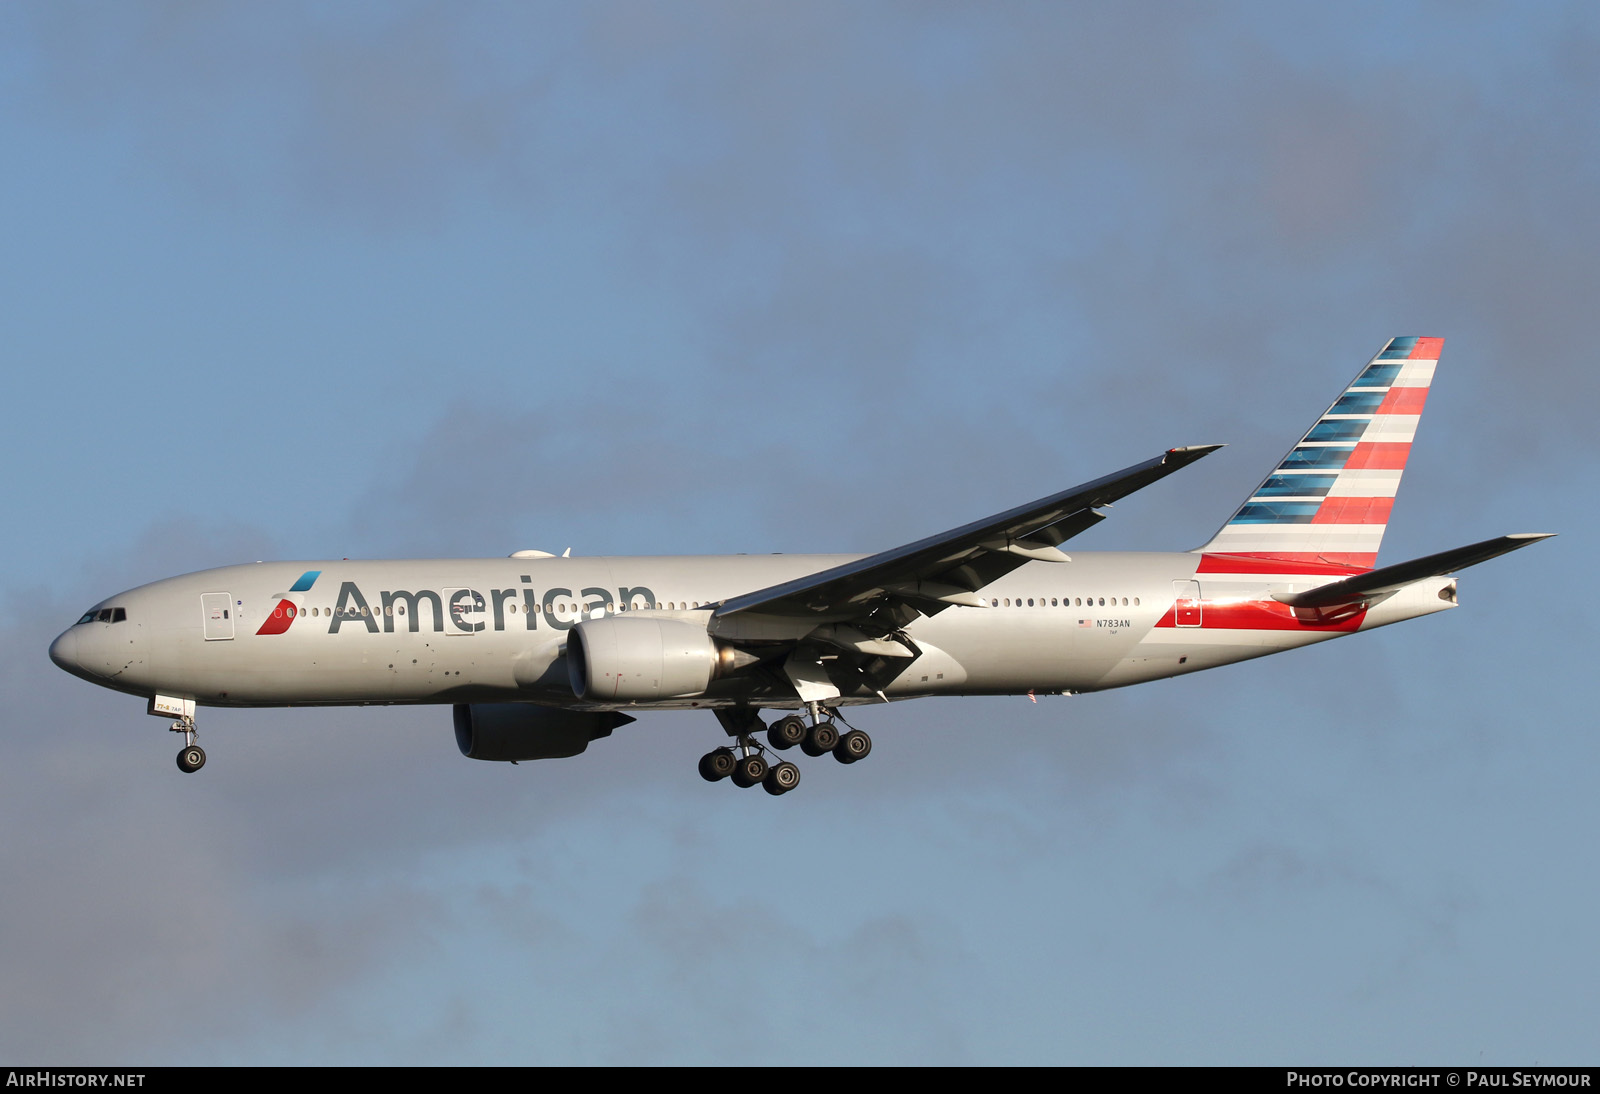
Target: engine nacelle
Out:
[523,731]
[622,658]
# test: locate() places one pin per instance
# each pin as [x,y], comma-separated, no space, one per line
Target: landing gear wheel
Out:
[191,759]
[782,778]
[715,765]
[785,733]
[748,771]
[853,746]
[821,740]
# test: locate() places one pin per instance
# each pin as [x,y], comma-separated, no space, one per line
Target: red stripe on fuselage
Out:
[1260,615]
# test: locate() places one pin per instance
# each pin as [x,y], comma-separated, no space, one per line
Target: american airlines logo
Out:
[284,614]
[452,611]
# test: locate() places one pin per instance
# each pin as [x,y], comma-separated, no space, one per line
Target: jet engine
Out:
[523,731]
[622,658]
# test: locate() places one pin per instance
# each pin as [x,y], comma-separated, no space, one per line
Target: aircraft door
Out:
[1186,608]
[216,615]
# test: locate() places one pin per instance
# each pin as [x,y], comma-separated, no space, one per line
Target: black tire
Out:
[191,759]
[781,778]
[853,746]
[717,765]
[785,733]
[821,739]
[748,771]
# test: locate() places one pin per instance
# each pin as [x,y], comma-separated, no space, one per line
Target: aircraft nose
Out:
[64,652]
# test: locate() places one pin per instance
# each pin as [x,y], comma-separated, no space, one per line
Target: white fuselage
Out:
[495,630]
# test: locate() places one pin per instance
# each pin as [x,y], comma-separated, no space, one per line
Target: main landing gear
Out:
[745,763]
[748,767]
[191,757]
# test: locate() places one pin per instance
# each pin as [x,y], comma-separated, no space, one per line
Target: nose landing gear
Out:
[191,757]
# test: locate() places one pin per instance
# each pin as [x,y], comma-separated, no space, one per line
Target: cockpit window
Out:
[104,615]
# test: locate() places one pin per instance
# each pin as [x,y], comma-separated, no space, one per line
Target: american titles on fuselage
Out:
[468,611]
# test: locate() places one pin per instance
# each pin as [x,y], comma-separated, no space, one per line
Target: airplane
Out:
[540,655]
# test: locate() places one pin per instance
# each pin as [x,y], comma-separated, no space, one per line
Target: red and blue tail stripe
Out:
[1327,503]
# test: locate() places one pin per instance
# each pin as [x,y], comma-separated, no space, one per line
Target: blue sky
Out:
[407,279]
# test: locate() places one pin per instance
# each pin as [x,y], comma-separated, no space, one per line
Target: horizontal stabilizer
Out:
[1386,580]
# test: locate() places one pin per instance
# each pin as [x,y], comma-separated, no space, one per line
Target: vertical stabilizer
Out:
[1328,501]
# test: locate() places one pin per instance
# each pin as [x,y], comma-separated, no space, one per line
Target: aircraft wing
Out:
[1388,579]
[933,573]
